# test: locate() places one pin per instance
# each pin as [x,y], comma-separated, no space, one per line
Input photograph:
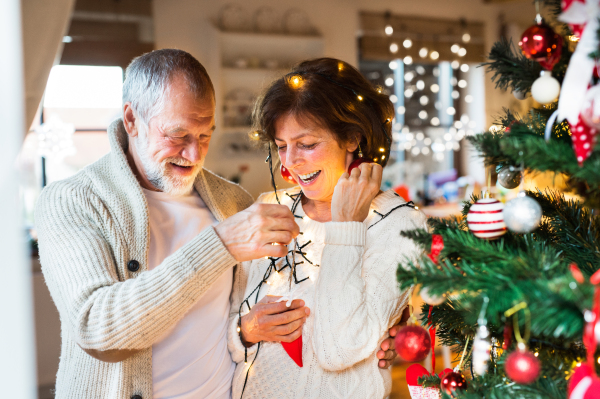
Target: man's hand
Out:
[273,321]
[387,354]
[256,232]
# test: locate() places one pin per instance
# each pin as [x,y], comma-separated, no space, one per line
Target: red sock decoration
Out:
[294,349]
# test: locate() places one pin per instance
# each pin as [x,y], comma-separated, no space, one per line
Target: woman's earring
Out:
[287,176]
[360,160]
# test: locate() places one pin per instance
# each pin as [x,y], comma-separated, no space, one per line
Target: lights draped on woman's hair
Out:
[334,95]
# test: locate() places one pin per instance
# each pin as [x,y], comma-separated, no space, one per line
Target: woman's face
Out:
[312,155]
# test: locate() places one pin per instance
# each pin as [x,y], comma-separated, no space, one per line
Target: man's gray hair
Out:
[148,76]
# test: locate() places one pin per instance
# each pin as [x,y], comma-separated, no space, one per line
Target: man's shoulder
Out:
[227,190]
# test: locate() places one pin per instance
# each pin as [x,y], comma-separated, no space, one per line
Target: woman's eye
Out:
[308,146]
[280,148]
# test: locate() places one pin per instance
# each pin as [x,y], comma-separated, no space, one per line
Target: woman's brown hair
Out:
[334,95]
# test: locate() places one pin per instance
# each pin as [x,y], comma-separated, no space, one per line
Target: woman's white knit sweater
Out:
[354,299]
[94,241]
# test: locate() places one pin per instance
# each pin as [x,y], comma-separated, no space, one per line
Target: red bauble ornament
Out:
[357,162]
[540,43]
[287,176]
[583,138]
[584,384]
[413,343]
[452,382]
[522,367]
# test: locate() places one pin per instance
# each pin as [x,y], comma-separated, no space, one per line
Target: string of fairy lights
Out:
[300,252]
[414,85]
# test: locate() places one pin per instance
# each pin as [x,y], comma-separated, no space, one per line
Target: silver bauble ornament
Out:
[522,214]
[429,299]
[545,89]
[481,350]
[519,95]
[509,176]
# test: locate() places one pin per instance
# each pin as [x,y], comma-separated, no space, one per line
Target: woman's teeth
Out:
[309,177]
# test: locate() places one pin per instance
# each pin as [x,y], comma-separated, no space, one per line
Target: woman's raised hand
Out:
[354,192]
[273,321]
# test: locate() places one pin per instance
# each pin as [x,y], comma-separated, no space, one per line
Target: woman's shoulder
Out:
[389,209]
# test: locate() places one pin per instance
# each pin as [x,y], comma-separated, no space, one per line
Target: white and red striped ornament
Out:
[485,219]
[584,139]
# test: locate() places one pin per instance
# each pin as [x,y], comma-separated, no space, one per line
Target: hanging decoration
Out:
[585,383]
[521,366]
[481,343]
[287,176]
[590,112]
[522,214]
[584,139]
[540,43]
[509,176]
[575,14]
[485,219]
[455,380]
[416,371]
[581,66]
[433,300]
[545,89]
[519,95]
[413,342]
[437,245]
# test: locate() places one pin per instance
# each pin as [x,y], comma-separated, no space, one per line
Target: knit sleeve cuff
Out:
[207,251]
[238,351]
[345,233]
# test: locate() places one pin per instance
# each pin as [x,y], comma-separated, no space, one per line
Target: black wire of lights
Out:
[298,249]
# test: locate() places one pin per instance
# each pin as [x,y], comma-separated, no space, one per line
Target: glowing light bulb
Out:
[434,88]
[389,30]
[423,52]
[381,149]
[464,67]
[455,48]
[393,48]
[434,55]
[360,98]
[393,65]
[466,38]
[462,52]
[239,329]
[382,157]
[408,60]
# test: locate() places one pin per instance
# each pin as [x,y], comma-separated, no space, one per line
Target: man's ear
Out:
[129,119]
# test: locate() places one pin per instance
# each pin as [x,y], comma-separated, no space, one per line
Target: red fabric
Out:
[415,371]
[432,335]
[403,191]
[437,244]
[294,349]
[584,139]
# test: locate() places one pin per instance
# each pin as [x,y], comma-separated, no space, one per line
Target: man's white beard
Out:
[158,174]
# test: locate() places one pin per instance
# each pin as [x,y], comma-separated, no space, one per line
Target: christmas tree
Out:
[513,288]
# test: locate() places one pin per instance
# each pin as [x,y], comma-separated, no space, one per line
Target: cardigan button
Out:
[136,397]
[134,266]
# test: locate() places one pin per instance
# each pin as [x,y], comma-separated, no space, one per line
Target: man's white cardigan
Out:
[94,240]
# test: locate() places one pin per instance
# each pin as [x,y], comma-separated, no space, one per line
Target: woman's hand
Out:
[353,193]
[273,321]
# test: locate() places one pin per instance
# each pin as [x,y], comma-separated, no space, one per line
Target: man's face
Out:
[172,148]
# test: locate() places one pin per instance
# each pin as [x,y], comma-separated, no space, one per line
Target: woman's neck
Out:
[319,211]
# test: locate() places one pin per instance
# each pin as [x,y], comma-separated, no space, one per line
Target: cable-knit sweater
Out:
[94,242]
[354,299]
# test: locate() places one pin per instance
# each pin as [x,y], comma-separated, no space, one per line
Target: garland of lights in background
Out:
[416,142]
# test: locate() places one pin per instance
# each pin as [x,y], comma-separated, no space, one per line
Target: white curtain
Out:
[44,25]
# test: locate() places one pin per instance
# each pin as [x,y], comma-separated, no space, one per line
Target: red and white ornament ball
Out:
[577,29]
[584,384]
[485,219]
[522,367]
[413,343]
[452,382]
[584,139]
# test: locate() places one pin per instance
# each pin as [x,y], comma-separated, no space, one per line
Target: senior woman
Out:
[322,117]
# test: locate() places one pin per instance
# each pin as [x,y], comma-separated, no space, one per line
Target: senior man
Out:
[138,249]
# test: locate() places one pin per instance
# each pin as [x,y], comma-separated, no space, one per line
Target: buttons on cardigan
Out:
[134,266]
[136,396]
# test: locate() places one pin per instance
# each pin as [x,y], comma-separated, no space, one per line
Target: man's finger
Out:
[376,172]
[394,330]
[273,210]
[287,317]
[389,355]
[273,251]
[281,307]
[289,328]
[291,337]
[384,364]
